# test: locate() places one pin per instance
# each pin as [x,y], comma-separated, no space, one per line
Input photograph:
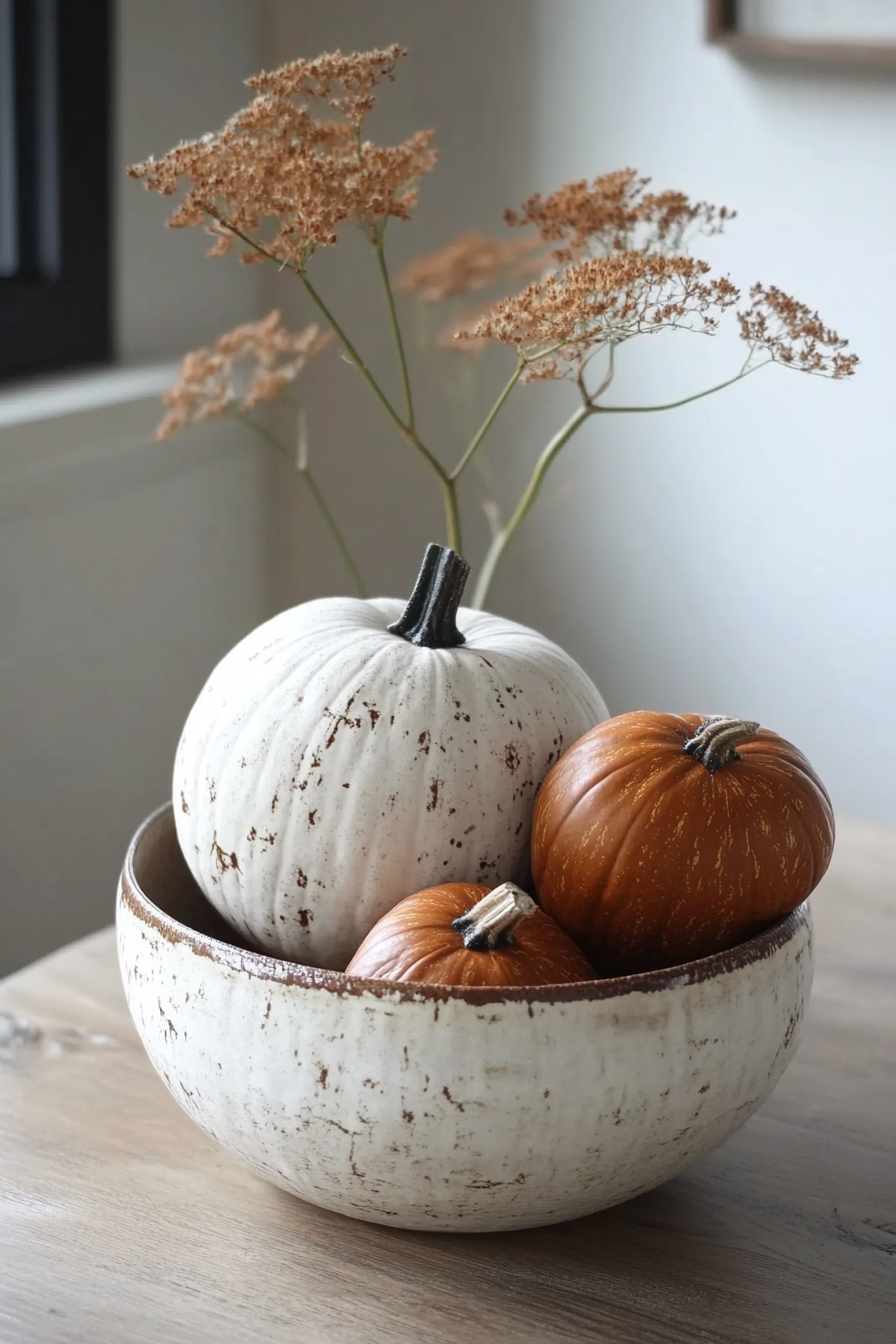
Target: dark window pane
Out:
[54,184]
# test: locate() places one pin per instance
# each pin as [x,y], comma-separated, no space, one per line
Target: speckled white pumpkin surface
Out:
[330,768]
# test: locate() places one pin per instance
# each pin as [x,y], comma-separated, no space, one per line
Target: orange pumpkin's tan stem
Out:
[492,920]
[716,741]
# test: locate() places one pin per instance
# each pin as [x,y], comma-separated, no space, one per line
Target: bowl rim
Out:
[275,970]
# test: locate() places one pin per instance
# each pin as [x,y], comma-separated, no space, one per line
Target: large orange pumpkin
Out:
[658,838]
[466,934]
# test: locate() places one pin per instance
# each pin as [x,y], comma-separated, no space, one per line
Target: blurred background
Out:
[737,555]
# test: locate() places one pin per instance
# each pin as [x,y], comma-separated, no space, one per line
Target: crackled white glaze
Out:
[452,1110]
[329,768]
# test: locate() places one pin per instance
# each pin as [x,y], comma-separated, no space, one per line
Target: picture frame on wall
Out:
[842,32]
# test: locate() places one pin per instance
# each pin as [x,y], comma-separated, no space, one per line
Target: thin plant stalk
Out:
[320,499]
[326,514]
[527,499]
[407,427]
[328,317]
[408,432]
[589,407]
[684,401]
[488,421]
[378,242]
[449,493]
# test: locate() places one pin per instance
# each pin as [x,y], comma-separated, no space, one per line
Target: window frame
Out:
[723,29]
[55,307]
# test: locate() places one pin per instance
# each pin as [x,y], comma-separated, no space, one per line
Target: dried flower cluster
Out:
[469,263]
[635,279]
[606,260]
[265,353]
[556,322]
[792,334]
[616,213]
[276,160]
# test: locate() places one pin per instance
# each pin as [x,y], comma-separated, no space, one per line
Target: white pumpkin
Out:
[330,766]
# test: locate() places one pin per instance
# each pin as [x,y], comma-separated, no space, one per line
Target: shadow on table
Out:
[660,1262]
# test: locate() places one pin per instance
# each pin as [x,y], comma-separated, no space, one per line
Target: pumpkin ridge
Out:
[417,942]
[796,768]
[359,656]
[566,763]
[291,843]
[668,861]
[254,730]
[421,963]
[795,772]
[812,843]
[632,818]
[279,689]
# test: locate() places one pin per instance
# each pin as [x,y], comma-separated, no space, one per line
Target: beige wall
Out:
[735,556]
[738,555]
[180,73]
[124,575]
[126,568]
[469,74]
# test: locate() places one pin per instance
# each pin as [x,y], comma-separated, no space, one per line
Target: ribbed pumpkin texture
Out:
[415,942]
[348,752]
[650,855]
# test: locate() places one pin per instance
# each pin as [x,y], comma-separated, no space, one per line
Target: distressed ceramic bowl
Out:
[456,1110]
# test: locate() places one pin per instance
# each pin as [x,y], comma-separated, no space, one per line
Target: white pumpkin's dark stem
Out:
[492,920]
[716,741]
[430,617]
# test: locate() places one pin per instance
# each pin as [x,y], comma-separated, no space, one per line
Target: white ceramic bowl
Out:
[456,1110]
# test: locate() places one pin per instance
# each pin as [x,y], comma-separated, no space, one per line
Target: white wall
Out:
[469,74]
[126,568]
[125,573]
[738,555]
[180,71]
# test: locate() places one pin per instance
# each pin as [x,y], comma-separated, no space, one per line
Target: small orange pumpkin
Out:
[466,934]
[658,838]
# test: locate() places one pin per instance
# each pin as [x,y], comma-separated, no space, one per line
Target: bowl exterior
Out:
[435,1112]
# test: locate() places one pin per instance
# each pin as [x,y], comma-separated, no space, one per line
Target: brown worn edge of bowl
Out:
[263,967]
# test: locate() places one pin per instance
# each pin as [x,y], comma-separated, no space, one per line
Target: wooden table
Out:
[120,1221]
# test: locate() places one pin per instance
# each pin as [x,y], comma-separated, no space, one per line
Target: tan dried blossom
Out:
[449,338]
[556,322]
[209,378]
[792,334]
[277,161]
[346,83]
[616,213]
[468,263]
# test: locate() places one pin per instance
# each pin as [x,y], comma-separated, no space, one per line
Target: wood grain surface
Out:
[120,1221]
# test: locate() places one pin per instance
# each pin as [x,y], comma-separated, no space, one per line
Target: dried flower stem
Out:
[378,242]
[320,499]
[330,320]
[406,429]
[359,364]
[335,532]
[590,406]
[501,536]
[683,401]
[609,261]
[488,421]
[607,378]
[527,499]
